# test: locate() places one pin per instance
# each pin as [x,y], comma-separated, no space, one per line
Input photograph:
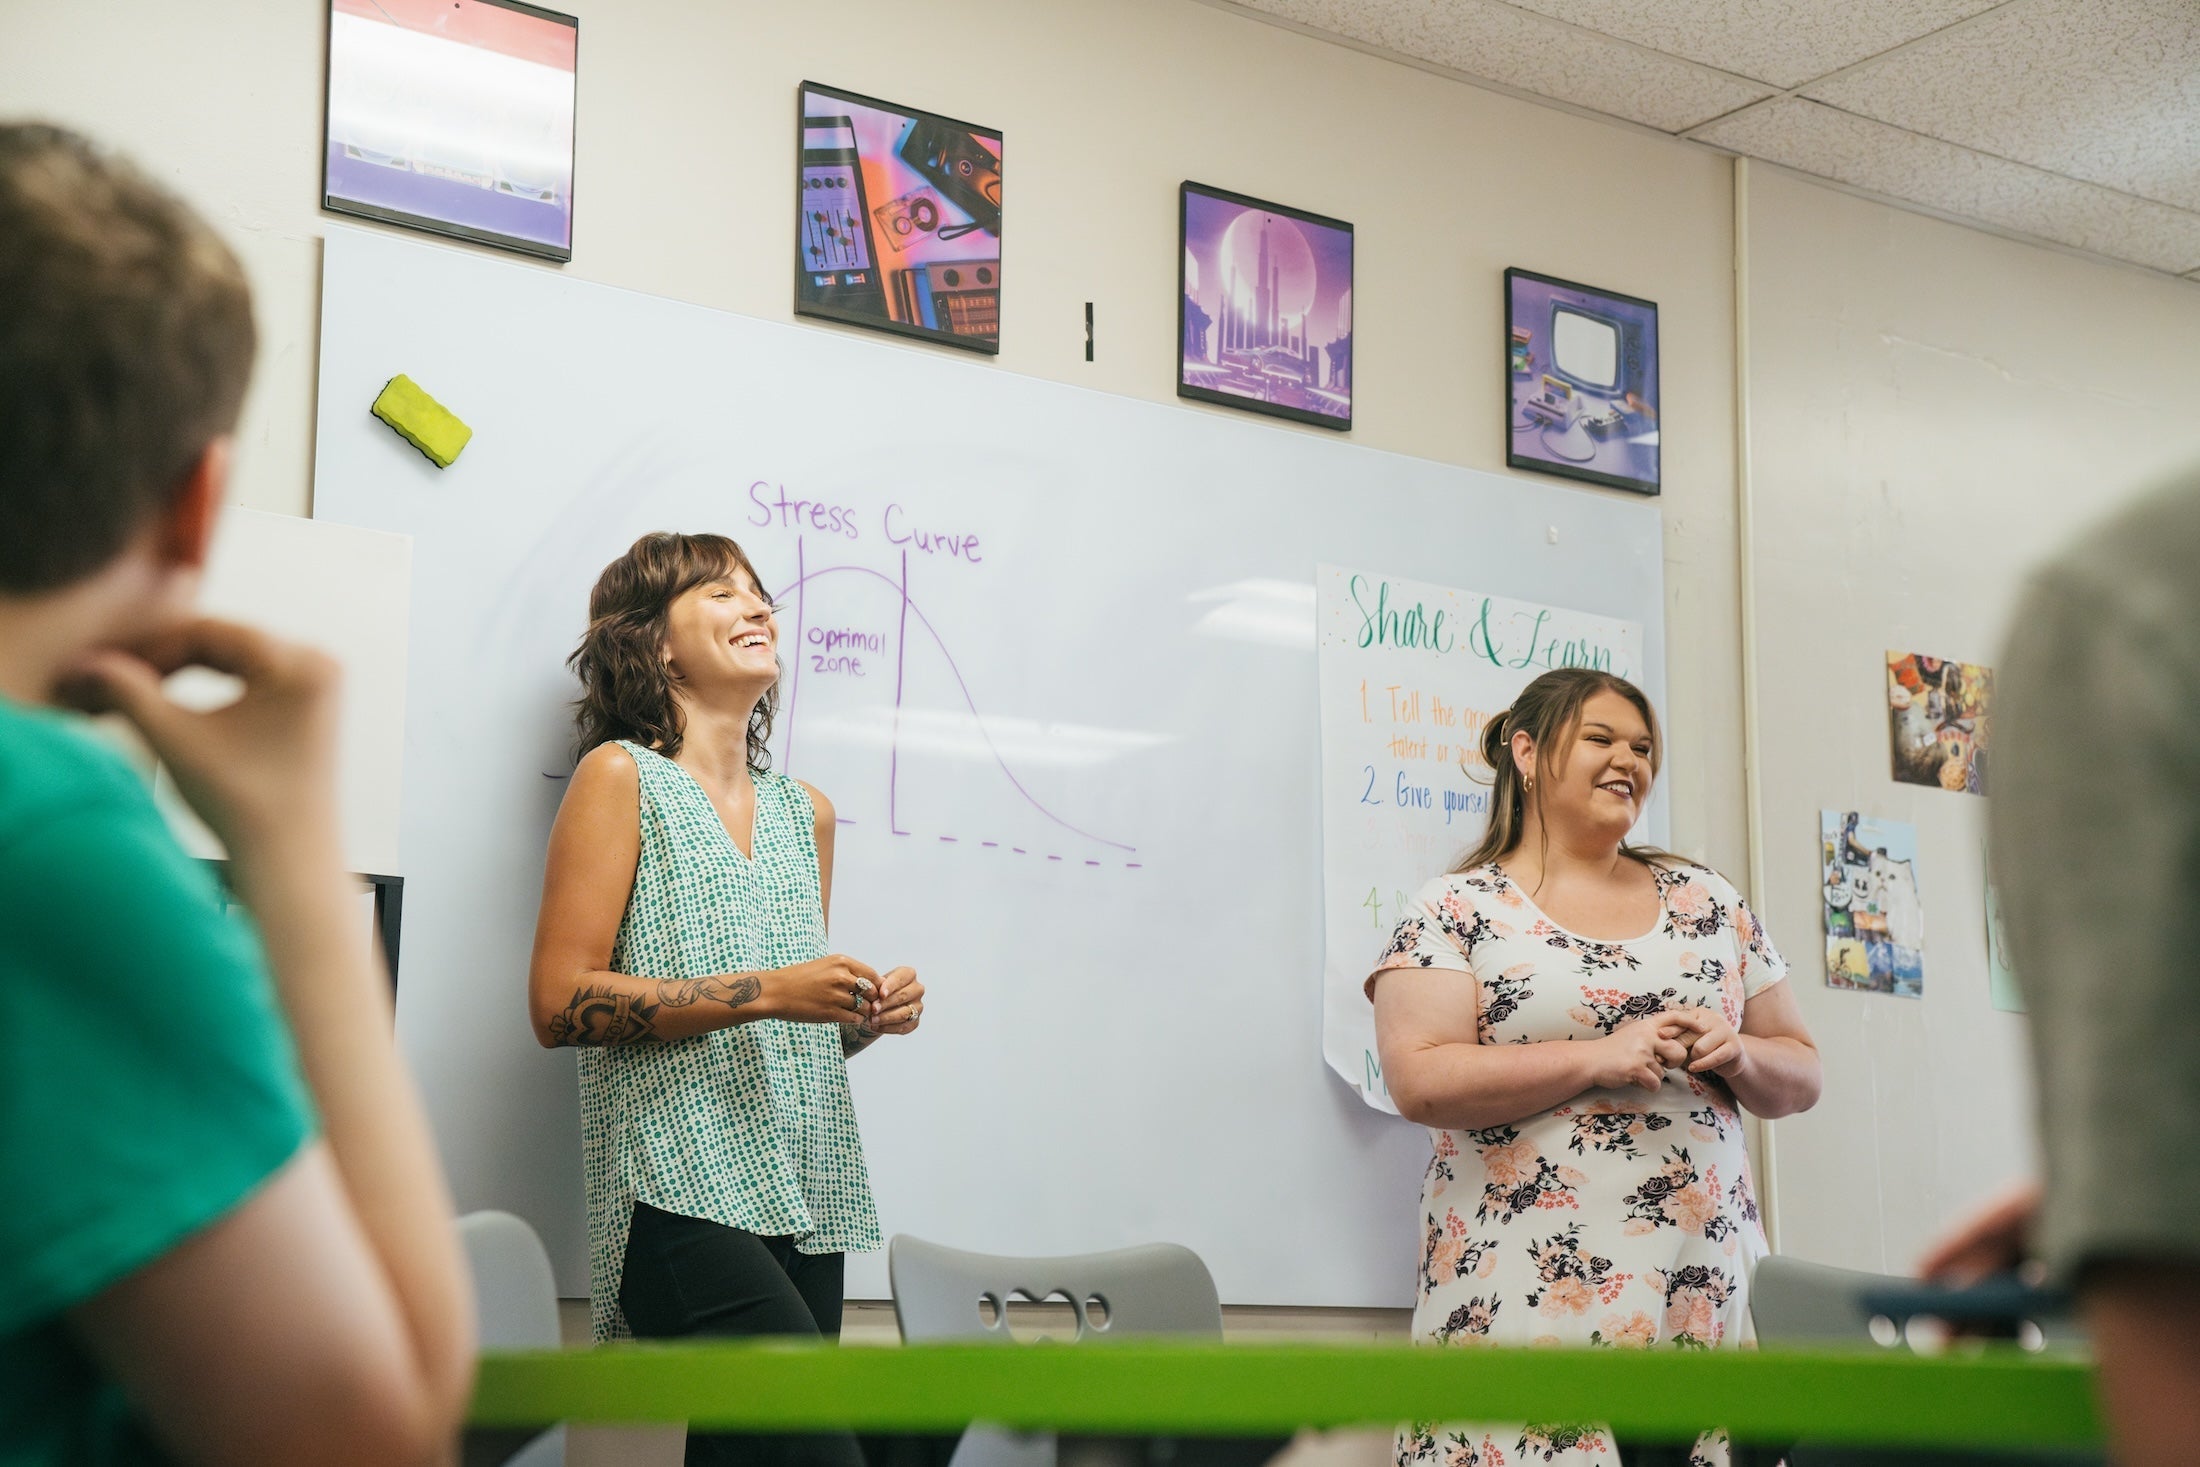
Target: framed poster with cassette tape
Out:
[898,220]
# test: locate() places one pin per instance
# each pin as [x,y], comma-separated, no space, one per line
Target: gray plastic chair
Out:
[1792,1302]
[946,1295]
[516,1304]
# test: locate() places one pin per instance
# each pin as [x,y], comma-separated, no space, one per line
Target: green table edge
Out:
[1997,1397]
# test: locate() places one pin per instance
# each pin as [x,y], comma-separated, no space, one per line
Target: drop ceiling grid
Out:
[2071,121]
[2104,92]
[1778,42]
[1518,48]
[1816,139]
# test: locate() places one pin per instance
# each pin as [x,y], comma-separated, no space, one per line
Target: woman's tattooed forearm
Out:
[856,1037]
[730,989]
[599,1015]
[602,1015]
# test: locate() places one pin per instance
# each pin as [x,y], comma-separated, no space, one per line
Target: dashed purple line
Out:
[1054,858]
[990,844]
[1133,866]
[1092,863]
[1019,850]
[949,840]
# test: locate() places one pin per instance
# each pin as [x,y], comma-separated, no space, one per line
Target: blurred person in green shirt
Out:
[225,1235]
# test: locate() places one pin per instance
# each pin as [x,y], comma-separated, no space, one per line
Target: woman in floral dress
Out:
[1578,1022]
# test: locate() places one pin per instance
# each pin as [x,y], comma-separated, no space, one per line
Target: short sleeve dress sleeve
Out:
[1761,963]
[1430,934]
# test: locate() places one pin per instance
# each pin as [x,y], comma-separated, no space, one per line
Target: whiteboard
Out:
[341,590]
[1078,762]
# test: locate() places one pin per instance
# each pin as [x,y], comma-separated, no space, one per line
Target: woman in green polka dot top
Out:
[681,948]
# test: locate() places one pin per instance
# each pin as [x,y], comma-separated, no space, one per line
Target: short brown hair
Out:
[626,689]
[126,342]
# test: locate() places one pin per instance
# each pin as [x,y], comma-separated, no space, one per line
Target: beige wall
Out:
[1932,409]
[1932,405]
[686,139]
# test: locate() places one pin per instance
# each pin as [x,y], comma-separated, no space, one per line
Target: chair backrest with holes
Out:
[946,1294]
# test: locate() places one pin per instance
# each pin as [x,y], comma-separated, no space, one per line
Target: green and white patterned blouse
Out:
[749,1126]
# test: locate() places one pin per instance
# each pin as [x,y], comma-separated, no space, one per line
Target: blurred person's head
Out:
[126,341]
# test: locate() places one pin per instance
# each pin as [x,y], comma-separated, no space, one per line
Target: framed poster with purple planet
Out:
[453,116]
[1581,371]
[1264,308]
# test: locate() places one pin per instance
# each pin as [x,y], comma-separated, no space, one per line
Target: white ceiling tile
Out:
[1776,41]
[1496,42]
[1904,165]
[2104,90]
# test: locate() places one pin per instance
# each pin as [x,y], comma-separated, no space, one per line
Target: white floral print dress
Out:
[1622,1218]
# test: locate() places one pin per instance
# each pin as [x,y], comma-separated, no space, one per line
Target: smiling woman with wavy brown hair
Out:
[626,682]
[681,948]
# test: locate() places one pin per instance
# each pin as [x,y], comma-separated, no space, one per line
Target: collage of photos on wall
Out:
[1875,917]
[1939,730]
[1937,713]
[898,220]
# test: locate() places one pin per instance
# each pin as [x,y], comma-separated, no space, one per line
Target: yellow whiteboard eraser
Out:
[422,421]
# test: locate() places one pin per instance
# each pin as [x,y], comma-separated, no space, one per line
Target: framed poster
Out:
[1264,307]
[1581,373]
[453,116]
[898,220]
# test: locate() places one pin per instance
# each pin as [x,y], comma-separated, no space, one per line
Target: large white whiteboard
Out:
[1080,770]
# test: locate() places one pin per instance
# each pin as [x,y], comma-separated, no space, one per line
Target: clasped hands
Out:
[841,990]
[1692,1039]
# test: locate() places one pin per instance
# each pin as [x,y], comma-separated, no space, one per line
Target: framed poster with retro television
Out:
[1264,307]
[898,220]
[1581,374]
[453,116]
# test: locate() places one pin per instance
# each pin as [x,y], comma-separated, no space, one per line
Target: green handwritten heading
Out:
[1516,642]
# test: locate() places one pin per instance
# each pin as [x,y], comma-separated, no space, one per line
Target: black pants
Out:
[685,1277]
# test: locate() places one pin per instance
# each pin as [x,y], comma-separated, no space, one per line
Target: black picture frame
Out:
[1625,433]
[963,292]
[1185,305]
[340,203]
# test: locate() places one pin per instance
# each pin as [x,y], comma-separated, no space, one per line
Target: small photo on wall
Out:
[1581,368]
[898,220]
[1264,309]
[1875,919]
[1937,714]
[453,116]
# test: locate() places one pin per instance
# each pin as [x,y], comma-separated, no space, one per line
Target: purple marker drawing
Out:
[908,605]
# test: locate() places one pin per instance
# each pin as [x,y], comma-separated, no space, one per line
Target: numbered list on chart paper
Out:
[1411,673]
